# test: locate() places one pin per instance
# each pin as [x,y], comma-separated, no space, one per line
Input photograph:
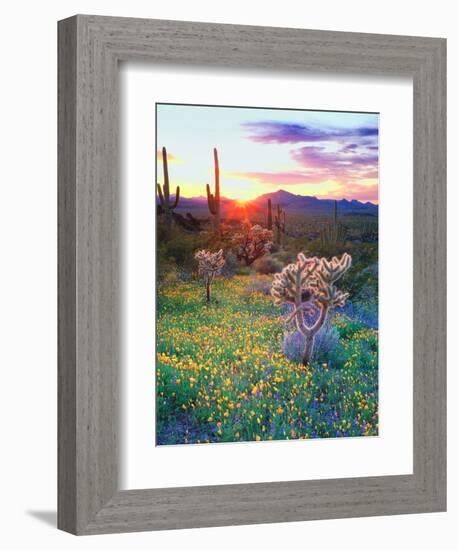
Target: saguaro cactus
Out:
[280,224]
[308,285]
[333,232]
[214,200]
[210,265]
[164,195]
[269,214]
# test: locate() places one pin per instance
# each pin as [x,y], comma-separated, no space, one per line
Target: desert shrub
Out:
[168,275]
[261,285]
[365,253]
[267,265]
[317,248]
[285,256]
[298,244]
[326,341]
[231,266]
[365,312]
[275,248]
[242,270]
[181,247]
[185,276]
[293,346]
[358,343]
[177,255]
[362,284]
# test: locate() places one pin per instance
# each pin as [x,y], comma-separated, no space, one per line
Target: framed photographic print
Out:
[234,354]
[251,275]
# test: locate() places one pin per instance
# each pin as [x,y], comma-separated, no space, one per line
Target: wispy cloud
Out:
[287,132]
[348,164]
[171,159]
[341,163]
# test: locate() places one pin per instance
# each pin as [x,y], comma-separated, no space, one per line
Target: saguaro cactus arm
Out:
[164,191]
[161,195]
[177,198]
[211,202]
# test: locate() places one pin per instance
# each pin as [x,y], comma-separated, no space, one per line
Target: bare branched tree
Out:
[251,242]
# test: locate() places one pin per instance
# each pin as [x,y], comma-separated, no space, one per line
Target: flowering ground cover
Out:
[223,372]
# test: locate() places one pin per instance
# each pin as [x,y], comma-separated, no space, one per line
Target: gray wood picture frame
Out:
[90,49]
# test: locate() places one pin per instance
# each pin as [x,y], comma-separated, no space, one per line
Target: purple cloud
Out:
[350,147]
[287,132]
[349,164]
[319,157]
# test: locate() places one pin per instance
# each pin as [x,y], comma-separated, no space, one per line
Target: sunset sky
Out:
[324,154]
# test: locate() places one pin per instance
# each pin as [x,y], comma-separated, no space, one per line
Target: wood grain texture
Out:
[90,48]
[67,133]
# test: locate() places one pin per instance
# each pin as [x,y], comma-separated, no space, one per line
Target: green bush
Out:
[177,254]
[267,265]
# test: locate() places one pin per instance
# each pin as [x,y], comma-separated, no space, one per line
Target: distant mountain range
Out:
[313,205]
[289,201]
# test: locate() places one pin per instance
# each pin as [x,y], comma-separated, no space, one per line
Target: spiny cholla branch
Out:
[210,265]
[328,273]
[309,286]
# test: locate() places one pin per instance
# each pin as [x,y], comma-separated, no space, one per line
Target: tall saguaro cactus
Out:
[214,200]
[308,285]
[164,195]
[280,224]
[269,214]
[333,232]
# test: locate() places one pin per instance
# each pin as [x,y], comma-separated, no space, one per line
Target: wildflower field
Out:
[225,373]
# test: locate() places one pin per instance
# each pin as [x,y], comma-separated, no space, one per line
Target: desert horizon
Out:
[348,199]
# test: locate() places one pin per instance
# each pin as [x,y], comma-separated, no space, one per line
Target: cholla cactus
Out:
[309,286]
[210,265]
[252,242]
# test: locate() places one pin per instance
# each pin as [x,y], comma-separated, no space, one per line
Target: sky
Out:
[326,154]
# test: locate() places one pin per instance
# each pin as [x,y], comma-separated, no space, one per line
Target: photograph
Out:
[266,274]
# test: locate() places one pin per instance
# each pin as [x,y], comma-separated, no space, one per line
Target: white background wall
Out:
[28,271]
